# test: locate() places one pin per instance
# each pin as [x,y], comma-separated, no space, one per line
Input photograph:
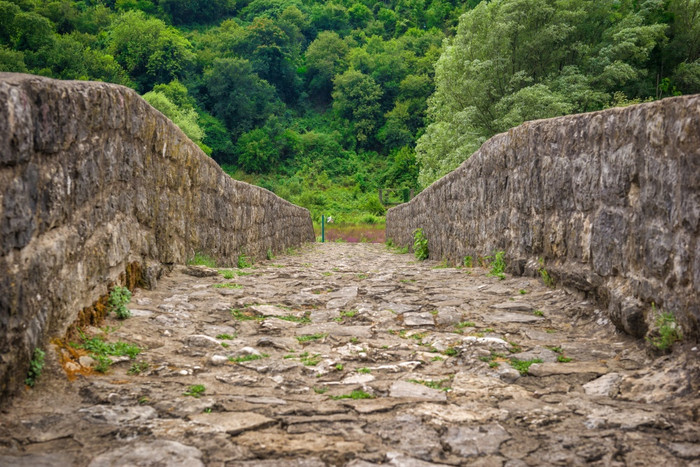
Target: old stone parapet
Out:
[609,201]
[95,182]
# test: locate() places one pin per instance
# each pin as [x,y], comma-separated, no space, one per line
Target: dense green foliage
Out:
[323,102]
[518,60]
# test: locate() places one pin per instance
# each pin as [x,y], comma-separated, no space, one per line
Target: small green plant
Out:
[356,394]
[227,273]
[465,324]
[118,298]
[242,315]
[667,330]
[227,285]
[228,337]
[200,259]
[546,278]
[311,337]
[493,365]
[433,384]
[195,391]
[538,313]
[296,319]
[224,345]
[443,265]
[137,368]
[207,410]
[144,400]
[555,349]
[498,265]
[244,261]
[364,370]
[354,340]
[514,348]
[563,359]
[310,361]
[523,365]
[248,358]
[468,262]
[101,350]
[269,254]
[103,363]
[348,314]
[522,291]
[450,352]
[36,366]
[320,390]
[437,359]
[339,367]
[420,245]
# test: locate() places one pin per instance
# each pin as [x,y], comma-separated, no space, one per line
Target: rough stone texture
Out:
[610,200]
[93,179]
[294,405]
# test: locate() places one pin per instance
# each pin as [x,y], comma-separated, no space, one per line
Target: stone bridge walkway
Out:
[351,354]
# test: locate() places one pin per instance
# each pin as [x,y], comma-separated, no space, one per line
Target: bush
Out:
[118,298]
[420,245]
[36,366]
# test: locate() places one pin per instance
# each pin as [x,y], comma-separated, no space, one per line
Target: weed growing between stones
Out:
[311,337]
[364,370]
[228,337]
[440,385]
[244,261]
[248,358]
[36,366]
[200,259]
[118,298]
[195,391]
[538,313]
[242,315]
[297,319]
[498,265]
[101,351]
[546,278]
[468,262]
[523,365]
[356,394]
[667,331]
[320,390]
[227,285]
[137,368]
[227,273]
[420,245]
[269,255]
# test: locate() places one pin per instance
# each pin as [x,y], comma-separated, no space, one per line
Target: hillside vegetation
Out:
[326,102]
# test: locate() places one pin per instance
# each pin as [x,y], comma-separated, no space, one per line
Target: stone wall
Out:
[94,181]
[610,201]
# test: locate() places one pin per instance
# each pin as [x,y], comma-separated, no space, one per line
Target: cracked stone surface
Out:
[351,354]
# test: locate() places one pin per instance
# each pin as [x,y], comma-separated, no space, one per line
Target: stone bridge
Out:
[344,354]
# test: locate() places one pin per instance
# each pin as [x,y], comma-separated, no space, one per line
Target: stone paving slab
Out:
[351,354]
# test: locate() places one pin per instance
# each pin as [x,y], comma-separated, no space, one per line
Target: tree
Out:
[148,50]
[238,96]
[356,97]
[325,58]
[185,118]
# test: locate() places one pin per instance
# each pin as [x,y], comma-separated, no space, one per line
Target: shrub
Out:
[118,298]
[420,245]
[36,366]
[498,265]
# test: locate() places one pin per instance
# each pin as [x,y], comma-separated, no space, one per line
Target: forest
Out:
[325,103]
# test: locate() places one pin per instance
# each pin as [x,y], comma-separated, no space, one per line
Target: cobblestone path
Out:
[351,354]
